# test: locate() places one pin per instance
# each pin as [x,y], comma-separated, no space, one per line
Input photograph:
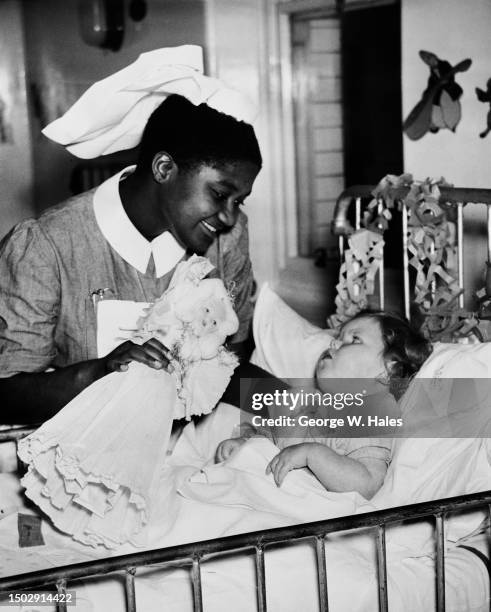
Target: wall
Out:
[250,58]
[61,66]
[453,30]
[15,147]
[237,44]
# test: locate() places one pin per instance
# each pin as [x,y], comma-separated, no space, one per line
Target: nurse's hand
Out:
[152,353]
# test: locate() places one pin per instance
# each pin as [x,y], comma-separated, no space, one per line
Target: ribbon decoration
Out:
[450,325]
[362,260]
[431,243]
[432,246]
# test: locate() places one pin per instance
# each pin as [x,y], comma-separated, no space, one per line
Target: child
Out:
[372,345]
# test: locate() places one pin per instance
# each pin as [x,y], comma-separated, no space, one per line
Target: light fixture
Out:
[102,23]
[137,10]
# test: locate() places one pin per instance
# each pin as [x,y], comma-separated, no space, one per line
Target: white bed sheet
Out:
[225,508]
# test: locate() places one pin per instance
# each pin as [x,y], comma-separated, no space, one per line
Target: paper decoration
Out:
[439,107]
[362,260]
[431,243]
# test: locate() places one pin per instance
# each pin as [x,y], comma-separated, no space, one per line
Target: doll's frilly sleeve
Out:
[94,468]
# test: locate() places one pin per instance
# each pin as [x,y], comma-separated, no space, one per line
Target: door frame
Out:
[281,86]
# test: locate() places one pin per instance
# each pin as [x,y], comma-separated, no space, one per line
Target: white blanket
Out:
[221,500]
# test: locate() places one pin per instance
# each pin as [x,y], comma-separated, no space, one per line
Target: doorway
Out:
[347,113]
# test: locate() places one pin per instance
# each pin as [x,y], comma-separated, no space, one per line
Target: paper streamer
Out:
[432,253]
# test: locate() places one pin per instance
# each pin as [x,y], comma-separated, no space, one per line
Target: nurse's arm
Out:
[31,398]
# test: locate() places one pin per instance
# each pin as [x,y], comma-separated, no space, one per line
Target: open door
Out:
[347,110]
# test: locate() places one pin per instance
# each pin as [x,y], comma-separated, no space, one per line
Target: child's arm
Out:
[336,472]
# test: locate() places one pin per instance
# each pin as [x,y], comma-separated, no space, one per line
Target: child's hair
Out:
[405,348]
[197,135]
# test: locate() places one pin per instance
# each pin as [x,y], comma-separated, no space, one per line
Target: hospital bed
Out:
[430,554]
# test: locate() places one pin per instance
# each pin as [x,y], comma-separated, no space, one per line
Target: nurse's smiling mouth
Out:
[209,228]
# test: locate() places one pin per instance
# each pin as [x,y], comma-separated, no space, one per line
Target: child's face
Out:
[209,317]
[358,353]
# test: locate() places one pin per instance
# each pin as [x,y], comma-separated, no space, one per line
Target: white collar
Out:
[123,236]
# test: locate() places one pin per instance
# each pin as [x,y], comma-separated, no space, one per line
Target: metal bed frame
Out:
[192,555]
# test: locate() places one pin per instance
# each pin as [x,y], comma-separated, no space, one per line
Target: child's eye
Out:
[214,323]
[356,340]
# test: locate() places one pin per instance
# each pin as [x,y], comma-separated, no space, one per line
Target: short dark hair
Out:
[405,348]
[197,135]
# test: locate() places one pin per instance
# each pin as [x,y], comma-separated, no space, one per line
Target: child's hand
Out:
[289,459]
[227,448]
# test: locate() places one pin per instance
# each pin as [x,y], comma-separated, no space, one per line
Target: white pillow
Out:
[424,469]
[458,361]
[449,362]
[287,345]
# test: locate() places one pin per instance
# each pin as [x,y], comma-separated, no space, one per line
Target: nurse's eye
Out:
[219,196]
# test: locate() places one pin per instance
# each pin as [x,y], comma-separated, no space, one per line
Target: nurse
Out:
[74,281]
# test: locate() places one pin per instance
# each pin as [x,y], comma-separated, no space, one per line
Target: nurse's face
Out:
[357,353]
[200,204]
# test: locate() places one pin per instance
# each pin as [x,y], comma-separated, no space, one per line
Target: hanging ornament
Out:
[485,96]
[439,107]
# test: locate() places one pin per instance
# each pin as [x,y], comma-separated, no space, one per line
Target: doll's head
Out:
[208,316]
[211,315]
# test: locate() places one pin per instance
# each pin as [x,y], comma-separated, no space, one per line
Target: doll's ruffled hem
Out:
[94,468]
[95,508]
[78,515]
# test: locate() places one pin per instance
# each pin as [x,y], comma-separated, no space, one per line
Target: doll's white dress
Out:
[94,468]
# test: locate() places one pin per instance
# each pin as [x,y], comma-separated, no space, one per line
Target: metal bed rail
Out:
[14,434]
[456,197]
[193,554]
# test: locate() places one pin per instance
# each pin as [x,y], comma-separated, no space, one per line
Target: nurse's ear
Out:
[164,167]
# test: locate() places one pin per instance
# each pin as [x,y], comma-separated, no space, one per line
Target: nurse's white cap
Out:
[111,115]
